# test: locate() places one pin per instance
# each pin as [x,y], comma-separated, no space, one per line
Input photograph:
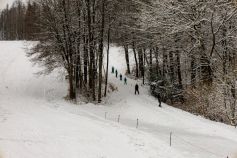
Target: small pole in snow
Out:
[118,118]
[170,138]
[137,124]
[105,115]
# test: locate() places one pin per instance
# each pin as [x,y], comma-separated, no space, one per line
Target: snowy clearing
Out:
[35,121]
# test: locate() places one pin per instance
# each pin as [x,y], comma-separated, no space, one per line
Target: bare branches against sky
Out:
[3,3]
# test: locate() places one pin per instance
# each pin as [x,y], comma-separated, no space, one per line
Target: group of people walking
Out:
[120,76]
[136,85]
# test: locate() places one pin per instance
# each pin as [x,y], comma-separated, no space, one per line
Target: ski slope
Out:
[35,121]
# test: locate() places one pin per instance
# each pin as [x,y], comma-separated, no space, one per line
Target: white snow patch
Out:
[36,122]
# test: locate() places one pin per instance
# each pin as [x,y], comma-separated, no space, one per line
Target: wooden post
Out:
[137,124]
[105,115]
[170,138]
[118,118]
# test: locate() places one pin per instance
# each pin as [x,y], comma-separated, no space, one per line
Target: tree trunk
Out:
[72,94]
[78,54]
[127,58]
[150,64]
[85,58]
[107,66]
[193,70]
[68,49]
[224,67]
[135,57]
[77,71]
[171,67]
[165,61]
[233,103]
[101,48]
[179,69]
[143,67]
[140,59]
[91,51]
[158,72]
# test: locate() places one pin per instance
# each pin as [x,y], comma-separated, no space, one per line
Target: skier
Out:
[112,69]
[136,89]
[121,77]
[125,80]
[159,99]
[116,73]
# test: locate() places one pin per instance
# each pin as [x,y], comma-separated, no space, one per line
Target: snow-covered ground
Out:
[35,121]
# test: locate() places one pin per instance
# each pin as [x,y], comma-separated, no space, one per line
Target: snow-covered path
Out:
[35,121]
[192,135]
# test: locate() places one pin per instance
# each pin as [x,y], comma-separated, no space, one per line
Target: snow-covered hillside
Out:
[36,122]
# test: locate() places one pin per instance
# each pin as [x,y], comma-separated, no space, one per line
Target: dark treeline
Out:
[19,22]
[185,50]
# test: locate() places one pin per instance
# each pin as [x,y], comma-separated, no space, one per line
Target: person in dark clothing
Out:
[125,80]
[159,99]
[121,77]
[136,89]
[116,73]
[112,70]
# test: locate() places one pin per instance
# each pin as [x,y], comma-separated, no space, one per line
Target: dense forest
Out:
[185,50]
[20,21]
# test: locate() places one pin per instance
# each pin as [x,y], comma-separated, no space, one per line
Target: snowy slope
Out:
[36,122]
